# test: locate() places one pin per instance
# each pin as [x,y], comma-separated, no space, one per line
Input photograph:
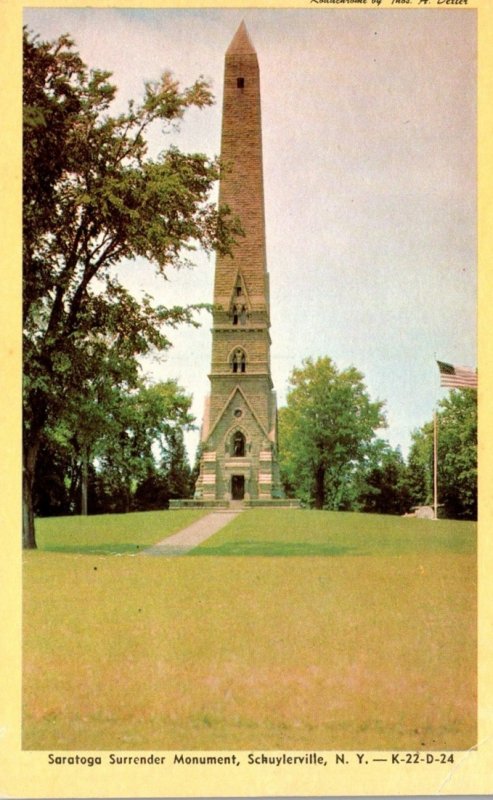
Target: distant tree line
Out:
[124,454]
[332,458]
[127,453]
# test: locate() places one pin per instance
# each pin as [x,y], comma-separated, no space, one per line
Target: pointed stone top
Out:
[241,42]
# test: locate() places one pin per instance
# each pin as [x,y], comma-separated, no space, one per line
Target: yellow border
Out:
[26,774]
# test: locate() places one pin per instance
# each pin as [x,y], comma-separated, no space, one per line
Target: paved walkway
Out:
[193,535]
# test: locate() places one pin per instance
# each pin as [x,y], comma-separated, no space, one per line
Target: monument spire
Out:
[239,434]
[241,42]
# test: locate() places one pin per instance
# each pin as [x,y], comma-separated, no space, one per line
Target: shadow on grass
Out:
[276,549]
[96,549]
[227,549]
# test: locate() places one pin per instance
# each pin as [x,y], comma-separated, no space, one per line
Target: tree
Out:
[457,454]
[51,492]
[149,424]
[324,430]
[93,197]
[456,457]
[176,467]
[385,489]
[171,479]
[152,493]
[118,439]
[420,466]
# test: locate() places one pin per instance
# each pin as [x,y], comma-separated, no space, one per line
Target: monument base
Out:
[267,502]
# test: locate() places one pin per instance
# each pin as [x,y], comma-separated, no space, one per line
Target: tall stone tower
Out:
[239,432]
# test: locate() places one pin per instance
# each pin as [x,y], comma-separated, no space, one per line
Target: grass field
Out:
[111,533]
[301,629]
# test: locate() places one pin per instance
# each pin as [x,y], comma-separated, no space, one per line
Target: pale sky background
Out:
[369,146]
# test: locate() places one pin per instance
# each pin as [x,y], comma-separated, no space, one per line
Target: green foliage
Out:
[121,436]
[325,430]
[330,458]
[172,479]
[152,493]
[143,420]
[456,457]
[457,454]
[176,467]
[384,479]
[93,197]
[420,466]
[53,479]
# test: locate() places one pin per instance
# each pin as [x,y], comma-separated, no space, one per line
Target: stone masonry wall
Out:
[241,280]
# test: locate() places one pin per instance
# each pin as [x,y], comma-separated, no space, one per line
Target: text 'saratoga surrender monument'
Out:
[239,433]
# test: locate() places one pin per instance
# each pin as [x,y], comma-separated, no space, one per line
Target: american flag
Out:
[453,377]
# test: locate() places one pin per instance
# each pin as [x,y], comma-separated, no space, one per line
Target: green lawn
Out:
[365,637]
[288,532]
[111,533]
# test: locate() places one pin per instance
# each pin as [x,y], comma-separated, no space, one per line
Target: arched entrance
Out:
[237,487]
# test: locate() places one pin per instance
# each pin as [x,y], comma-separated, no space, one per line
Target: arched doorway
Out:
[237,487]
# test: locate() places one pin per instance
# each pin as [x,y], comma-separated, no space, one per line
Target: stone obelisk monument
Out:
[239,432]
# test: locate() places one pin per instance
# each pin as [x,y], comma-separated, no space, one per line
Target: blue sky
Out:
[369,144]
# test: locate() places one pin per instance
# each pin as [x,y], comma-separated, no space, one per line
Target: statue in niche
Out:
[240,316]
[238,362]
[238,444]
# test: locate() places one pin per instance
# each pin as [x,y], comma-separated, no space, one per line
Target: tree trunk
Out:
[126,500]
[28,532]
[320,487]
[31,444]
[84,481]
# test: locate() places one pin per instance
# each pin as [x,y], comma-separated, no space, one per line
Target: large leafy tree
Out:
[92,197]
[325,429]
[456,456]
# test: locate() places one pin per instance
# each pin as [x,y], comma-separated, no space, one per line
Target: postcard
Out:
[245,496]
